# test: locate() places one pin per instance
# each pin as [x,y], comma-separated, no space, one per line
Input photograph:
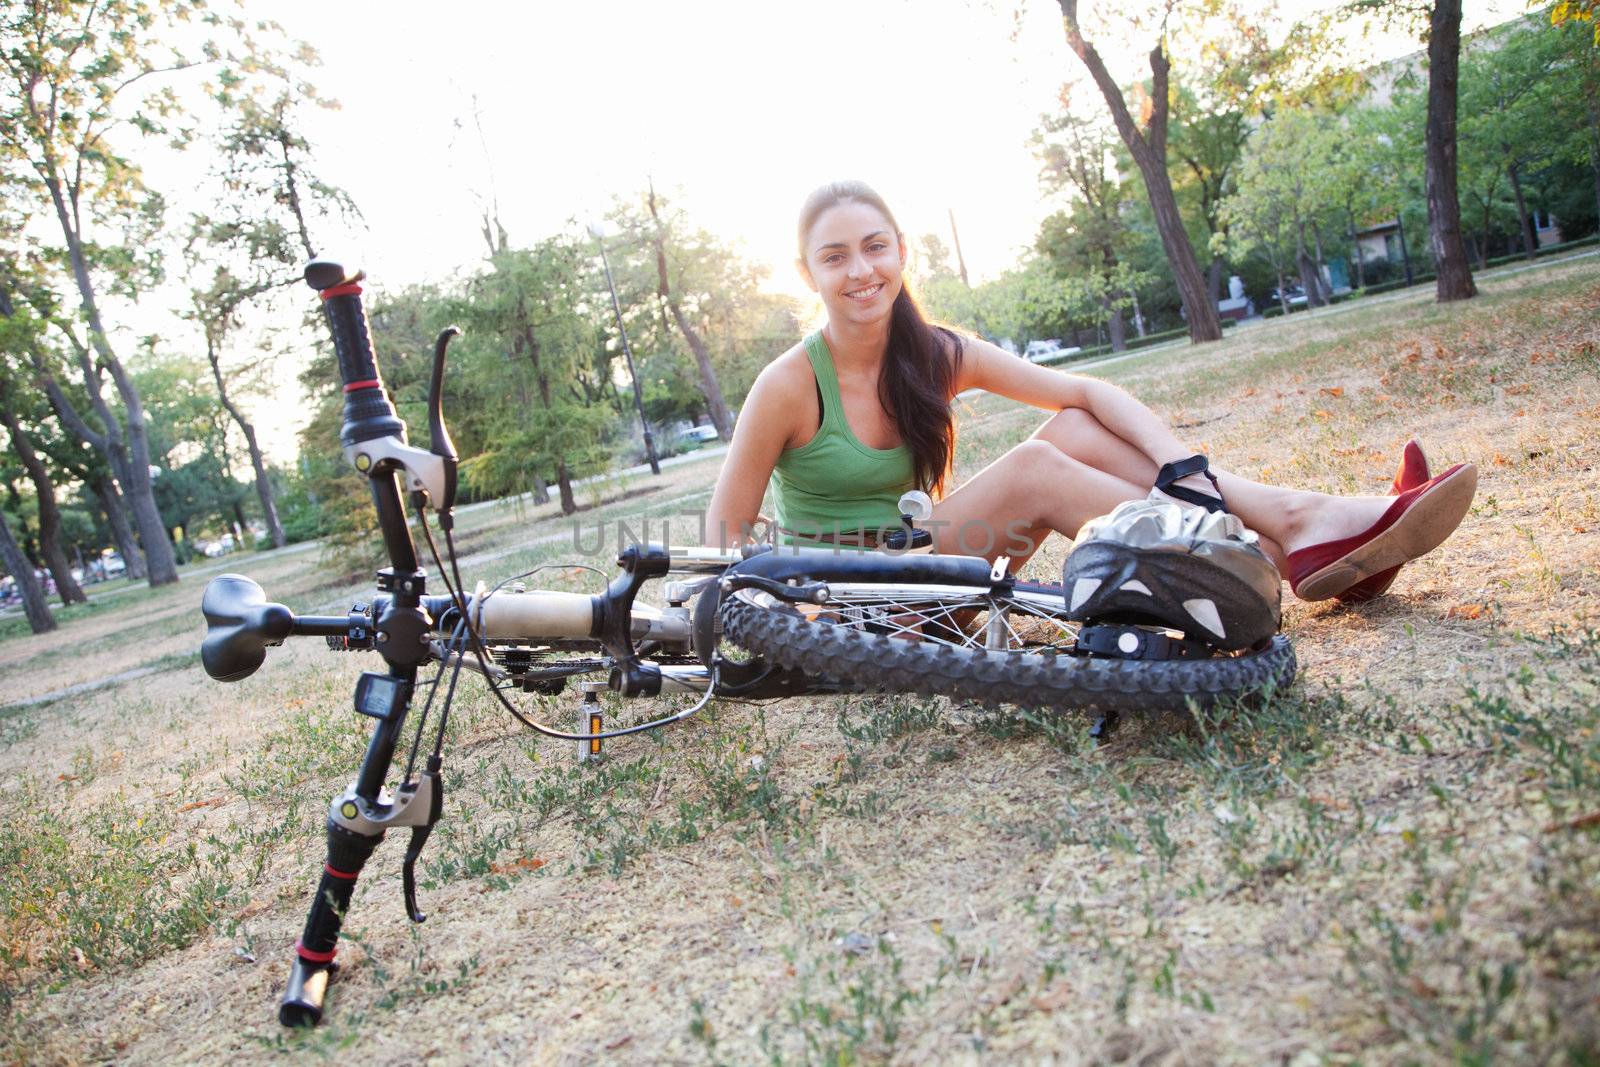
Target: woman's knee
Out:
[1069,429]
[1040,456]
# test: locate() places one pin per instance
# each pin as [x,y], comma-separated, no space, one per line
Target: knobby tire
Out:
[1061,682]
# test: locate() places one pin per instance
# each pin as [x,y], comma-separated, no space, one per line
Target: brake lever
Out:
[798,592]
[419,838]
[439,437]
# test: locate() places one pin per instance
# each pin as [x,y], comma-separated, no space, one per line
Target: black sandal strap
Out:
[1183,468]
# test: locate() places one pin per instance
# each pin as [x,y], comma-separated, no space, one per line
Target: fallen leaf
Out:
[619,1042]
[1501,461]
[1322,413]
[1053,999]
[524,863]
[1582,822]
[211,803]
[1335,391]
[1466,611]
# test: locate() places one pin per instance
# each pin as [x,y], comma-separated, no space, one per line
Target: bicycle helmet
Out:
[1152,562]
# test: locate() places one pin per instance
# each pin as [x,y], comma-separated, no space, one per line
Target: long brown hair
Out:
[918,377]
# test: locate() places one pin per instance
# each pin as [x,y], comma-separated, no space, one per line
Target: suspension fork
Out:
[359,816]
[373,437]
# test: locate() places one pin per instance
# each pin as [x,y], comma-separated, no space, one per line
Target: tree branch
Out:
[1160,69]
[1102,80]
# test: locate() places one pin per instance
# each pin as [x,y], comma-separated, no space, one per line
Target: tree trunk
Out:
[1283,298]
[1594,168]
[1138,315]
[961,261]
[55,557]
[292,192]
[1530,243]
[569,503]
[1322,263]
[1214,281]
[1444,207]
[1405,251]
[709,388]
[1115,327]
[105,489]
[1149,151]
[1309,281]
[33,602]
[541,490]
[1359,260]
[269,505]
[162,565]
[108,443]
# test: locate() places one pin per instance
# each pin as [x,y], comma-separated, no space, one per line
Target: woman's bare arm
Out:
[766,423]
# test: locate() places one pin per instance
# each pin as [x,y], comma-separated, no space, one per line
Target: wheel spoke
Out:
[1014,624]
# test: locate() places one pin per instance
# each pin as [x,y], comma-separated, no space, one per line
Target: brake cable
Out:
[459,597]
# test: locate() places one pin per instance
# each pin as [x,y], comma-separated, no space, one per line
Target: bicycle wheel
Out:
[965,642]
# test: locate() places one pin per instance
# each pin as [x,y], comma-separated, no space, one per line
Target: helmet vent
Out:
[1204,612]
[1082,590]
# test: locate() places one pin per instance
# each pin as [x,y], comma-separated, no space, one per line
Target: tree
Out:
[1510,97]
[1444,208]
[733,328]
[1084,242]
[1148,147]
[660,238]
[1284,190]
[34,604]
[1578,103]
[254,240]
[529,338]
[69,67]
[1577,13]
[50,547]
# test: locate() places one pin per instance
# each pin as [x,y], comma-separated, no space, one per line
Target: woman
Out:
[859,412]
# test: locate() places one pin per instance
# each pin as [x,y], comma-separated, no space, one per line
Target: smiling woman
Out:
[858,413]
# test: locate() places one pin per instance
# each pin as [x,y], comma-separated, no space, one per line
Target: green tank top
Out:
[834,483]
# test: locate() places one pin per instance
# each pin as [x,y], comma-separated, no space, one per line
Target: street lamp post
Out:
[627,350]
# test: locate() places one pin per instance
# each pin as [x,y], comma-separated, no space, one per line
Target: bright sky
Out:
[739,108]
[744,107]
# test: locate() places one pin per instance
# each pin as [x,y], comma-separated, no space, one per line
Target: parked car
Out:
[1049,351]
[1296,295]
[1039,350]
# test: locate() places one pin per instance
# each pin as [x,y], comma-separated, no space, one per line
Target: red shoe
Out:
[1412,473]
[1416,523]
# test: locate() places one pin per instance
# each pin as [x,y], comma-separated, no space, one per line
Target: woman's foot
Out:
[1412,473]
[1410,525]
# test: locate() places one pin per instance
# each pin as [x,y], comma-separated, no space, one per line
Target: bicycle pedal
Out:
[591,720]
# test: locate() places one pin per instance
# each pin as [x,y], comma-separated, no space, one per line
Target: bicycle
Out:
[814,621]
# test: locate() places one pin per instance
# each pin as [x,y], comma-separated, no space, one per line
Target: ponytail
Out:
[916,386]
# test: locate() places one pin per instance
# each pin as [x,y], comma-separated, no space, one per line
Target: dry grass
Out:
[1394,863]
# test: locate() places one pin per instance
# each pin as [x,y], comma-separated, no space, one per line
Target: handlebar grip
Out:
[313,964]
[368,415]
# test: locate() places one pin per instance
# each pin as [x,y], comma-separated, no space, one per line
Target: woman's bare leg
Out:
[1008,508]
[1285,519]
